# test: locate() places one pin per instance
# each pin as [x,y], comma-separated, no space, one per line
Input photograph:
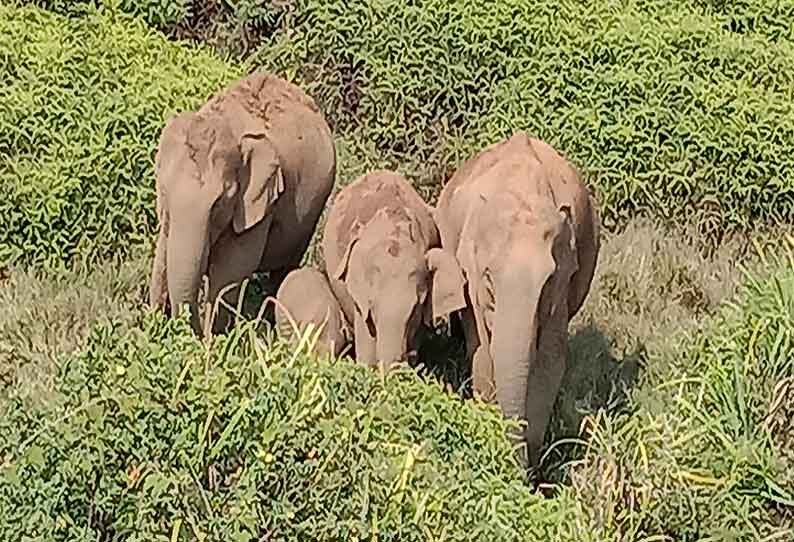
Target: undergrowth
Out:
[144,432]
[150,435]
[701,452]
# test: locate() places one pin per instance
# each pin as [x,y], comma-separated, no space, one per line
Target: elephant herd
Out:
[509,251]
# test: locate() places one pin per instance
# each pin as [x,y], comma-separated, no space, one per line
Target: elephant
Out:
[306,297]
[241,184]
[384,262]
[524,230]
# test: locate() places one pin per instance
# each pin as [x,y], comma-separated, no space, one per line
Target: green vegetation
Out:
[146,431]
[663,107]
[669,111]
[85,100]
[704,451]
[148,424]
[157,13]
[119,423]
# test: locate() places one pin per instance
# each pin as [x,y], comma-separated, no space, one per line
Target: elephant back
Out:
[379,191]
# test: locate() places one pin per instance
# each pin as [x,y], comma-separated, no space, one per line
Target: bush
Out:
[157,13]
[705,452]
[768,17]
[664,108]
[84,102]
[149,435]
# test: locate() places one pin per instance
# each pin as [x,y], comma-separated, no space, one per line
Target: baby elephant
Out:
[382,257]
[307,297]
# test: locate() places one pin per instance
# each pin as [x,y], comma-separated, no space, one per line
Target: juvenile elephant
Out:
[240,184]
[307,297]
[382,256]
[522,226]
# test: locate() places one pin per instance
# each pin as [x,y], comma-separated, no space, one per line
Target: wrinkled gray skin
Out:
[522,226]
[382,257]
[240,186]
[307,297]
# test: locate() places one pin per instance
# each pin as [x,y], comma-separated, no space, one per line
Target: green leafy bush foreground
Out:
[83,103]
[149,435]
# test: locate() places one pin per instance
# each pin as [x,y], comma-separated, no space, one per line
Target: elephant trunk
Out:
[514,351]
[391,337]
[390,346]
[186,261]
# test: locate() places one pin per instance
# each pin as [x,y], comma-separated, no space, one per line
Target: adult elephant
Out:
[240,184]
[525,233]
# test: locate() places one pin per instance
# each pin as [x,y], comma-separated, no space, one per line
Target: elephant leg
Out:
[545,378]
[365,341]
[233,258]
[470,335]
[158,284]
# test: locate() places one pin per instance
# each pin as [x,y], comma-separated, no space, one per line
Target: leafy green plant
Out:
[85,102]
[150,435]
[667,112]
[161,14]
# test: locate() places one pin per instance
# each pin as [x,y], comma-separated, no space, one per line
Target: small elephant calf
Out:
[306,295]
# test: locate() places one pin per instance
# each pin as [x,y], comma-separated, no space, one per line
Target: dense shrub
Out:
[705,453]
[667,110]
[84,102]
[772,18]
[150,435]
[158,13]
[664,107]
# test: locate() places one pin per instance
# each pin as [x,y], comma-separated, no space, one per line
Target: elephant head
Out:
[396,283]
[209,177]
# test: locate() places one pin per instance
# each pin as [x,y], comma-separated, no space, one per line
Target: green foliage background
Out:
[660,104]
[84,102]
[680,111]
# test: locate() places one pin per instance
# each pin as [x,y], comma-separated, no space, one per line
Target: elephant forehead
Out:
[500,224]
[372,208]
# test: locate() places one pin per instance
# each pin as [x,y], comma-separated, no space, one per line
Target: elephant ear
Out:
[567,264]
[447,285]
[265,183]
[340,273]
[356,286]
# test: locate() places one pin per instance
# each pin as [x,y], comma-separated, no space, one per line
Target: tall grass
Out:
[701,452]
